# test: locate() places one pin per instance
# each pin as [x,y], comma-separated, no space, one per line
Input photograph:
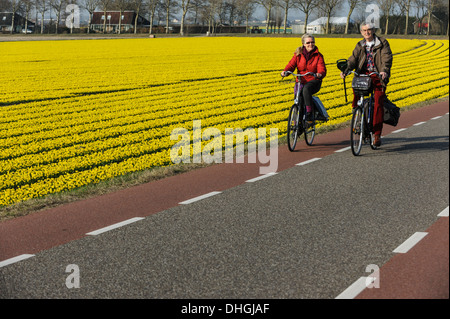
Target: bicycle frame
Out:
[297,122]
[362,121]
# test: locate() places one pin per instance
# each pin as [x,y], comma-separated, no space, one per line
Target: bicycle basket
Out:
[362,85]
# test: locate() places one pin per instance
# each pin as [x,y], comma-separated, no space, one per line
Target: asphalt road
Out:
[307,232]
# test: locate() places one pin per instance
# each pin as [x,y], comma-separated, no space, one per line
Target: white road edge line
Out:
[15,260]
[308,161]
[410,242]
[192,200]
[260,177]
[343,149]
[114,226]
[354,289]
[400,130]
[420,123]
[436,117]
[444,213]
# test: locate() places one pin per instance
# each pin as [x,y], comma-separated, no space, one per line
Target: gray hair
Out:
[370,25]
[306,36]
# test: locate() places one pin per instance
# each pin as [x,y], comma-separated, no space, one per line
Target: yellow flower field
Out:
[74,113]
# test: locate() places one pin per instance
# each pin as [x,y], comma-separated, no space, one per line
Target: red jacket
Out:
[316,64]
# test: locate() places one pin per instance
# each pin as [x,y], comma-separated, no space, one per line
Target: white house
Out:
[337,25]
[298,27]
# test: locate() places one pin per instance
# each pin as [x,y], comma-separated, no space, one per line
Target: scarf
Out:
[307,54]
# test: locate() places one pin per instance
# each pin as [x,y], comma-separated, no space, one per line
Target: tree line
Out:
[394,16]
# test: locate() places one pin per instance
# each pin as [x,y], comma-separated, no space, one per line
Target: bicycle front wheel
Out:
[293,127]
[357,131]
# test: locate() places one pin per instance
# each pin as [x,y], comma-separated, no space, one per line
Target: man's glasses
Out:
[368,30]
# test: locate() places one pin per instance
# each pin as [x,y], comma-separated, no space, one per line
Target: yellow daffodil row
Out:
[73,113]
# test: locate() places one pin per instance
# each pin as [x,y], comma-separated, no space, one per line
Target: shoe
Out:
[309,116]
[377,140]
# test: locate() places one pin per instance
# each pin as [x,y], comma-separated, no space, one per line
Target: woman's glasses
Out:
[310,42]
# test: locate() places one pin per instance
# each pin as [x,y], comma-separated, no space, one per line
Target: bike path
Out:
[41,231]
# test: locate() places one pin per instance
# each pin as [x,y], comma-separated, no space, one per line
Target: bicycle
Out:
[361,128]
[298,124]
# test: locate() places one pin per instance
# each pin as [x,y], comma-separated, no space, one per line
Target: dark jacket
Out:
[382,55]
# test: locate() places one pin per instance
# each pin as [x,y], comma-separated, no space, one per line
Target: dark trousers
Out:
[310,88]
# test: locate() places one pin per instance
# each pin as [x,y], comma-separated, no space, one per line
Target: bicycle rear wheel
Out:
[357,131]
[293,127]
[310,129]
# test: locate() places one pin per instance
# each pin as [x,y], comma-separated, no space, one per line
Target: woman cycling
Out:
[307,58]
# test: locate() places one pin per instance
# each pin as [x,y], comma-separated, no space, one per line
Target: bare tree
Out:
[286,5]
[15,6]
[246,9]
[27,7]
[329,7]
[430,7]
[268,5]
[57,6]
[152,6]
[104,5]
[90,6]
[352,5]
[306,6]
[41,8]
[185,6]
[136,5]
[386,6]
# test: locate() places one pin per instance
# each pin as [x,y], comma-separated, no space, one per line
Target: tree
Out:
[185,6]
[267,4]
[386,6]
[27,7]
[246,8]
[306,6]
[57,6]
[286,5]
[104,5]
[15,6]
[90,6]
[136,5]
[329,7]
[352,5]
[41,8]
[152,6]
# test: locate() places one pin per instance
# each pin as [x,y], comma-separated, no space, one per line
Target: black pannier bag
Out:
[391,112]
[362,85]
[320,111]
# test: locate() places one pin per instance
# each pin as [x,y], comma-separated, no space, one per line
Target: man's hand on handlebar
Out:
[383,75]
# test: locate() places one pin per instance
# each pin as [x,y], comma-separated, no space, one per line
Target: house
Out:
[19,22]
[318,26]
[438,23]
[298,27]
[112,21]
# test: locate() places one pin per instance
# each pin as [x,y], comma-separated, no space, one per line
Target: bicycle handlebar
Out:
[299,75]
[371,73]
